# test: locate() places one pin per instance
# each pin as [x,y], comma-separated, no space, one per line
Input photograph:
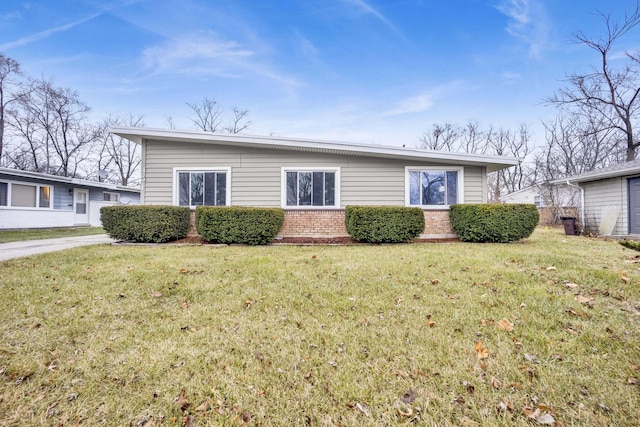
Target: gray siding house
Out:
[610,199]
[313,181]
[37,200]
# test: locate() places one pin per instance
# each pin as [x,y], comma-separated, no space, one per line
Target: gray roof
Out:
[492,163]
[65,179]
[620,169]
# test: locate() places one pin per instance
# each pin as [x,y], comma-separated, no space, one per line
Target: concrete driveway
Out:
[33,247]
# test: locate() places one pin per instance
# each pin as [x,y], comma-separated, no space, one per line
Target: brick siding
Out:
[330,223]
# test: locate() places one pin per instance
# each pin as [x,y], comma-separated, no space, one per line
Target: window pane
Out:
[292,188]
[330,188]
[318,189]
[452,187]
[4,191]
[304,188]
[197,189]
[433,190]
[45,197]
[414,188]
[183,190]
[221,189]
[23,195]
[210,189]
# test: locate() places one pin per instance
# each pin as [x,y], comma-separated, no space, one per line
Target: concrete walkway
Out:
[33,247]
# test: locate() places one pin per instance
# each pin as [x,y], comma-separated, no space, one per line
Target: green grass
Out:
[322,335]
[47,233]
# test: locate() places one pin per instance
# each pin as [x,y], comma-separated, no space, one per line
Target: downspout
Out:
[581,204]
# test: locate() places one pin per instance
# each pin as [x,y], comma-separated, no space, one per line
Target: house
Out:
[313,181]
[610,199]
[37,200]
[553,201]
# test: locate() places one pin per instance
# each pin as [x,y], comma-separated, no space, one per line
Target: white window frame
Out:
[111,194]
[191,169]
[30,184]
[283,186]
[407,184]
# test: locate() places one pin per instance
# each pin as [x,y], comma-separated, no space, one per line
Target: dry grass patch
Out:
[546,330]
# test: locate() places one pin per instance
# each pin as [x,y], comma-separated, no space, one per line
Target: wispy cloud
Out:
[365,7]
[424,100]
[45,34]
[527,22]
[204,53]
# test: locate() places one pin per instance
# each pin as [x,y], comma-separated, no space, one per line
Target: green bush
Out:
[250,226]
[630,244]
[493,223]
[145,224]
[384,224]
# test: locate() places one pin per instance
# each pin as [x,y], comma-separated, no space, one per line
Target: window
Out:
[537,200]
[23,195]
[4,193]
[433,187]
[110,197]
[310,187]
[202,188]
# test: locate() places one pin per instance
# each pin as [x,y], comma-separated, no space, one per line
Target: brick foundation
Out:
[330,223]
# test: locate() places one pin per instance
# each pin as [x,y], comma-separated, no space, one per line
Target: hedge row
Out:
[149,224]
[249,226]
[259,226]
[383,224]
[493,223]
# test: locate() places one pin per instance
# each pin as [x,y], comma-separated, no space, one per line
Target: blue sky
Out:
[374,71]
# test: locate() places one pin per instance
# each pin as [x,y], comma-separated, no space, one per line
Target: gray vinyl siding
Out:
[606,192]
[256,174]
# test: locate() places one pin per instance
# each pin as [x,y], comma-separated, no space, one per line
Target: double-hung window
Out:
[433,187]
[202,187]
[25,195]
[310,187]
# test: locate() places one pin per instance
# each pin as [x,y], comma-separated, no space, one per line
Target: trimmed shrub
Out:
[493,223]
[249,226]
[384,224]
[630,244]
[145,224]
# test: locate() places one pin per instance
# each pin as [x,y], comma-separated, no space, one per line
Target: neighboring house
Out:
[37,200]
[553,201]
[313,181]
[610,198]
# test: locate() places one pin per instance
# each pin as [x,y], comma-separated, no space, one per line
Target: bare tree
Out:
[441,137]
[9,69]
[117,155]
[53,123]
[209,117]
[612,93]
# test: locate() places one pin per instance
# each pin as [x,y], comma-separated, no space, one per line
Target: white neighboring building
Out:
[545,195]
[37,200]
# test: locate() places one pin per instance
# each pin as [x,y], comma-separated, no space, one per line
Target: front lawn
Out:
[447,334]
[47,233]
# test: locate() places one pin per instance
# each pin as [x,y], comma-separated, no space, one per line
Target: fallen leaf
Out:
[583,300]
[459,399]
[523,304]
[481,351]
[363,408]
[409,396]
[632,381]
[495,383]
[404,410]
[314,256]
[551,268]
[431,323]
[505,325]
[572,285]
[625,279]
[189,421]
[204,406]
[435,281]
[246,417]
[157,294]
[182,401]
[604,407]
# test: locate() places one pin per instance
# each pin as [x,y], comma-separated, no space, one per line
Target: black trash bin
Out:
[569,223]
